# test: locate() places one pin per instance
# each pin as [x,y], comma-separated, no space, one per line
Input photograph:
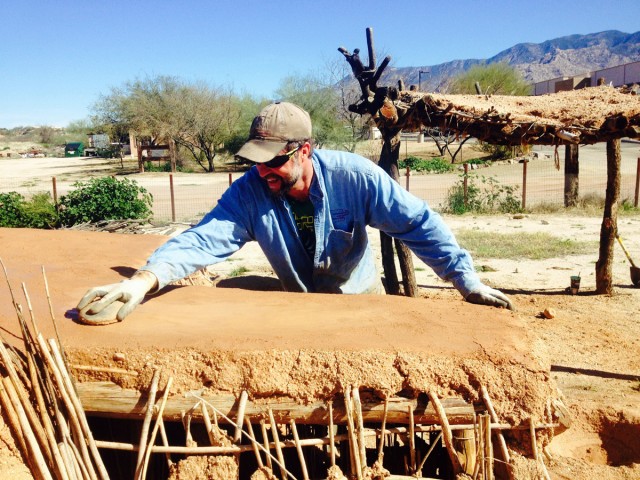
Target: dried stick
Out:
[501,441]
[488,446]
[35,453]
[254,443]
[446,432]
[433,445]
[265,440]
[93,368]
[383,429]
[18,388]
[165,442]
[78,462]
[52,315]
[353,442]
[412,440]
[45,419]
[207,423]
[332,440]
[79,410]
[69,464]
[276,439]
[154,432]
[303,464]
[151,400]
[14,423]
[357,410]
[242,405]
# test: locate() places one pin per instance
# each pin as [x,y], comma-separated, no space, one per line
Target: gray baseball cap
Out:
[275,126]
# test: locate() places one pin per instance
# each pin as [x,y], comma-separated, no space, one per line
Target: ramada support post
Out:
[609,227]
[571,172]
[376,102]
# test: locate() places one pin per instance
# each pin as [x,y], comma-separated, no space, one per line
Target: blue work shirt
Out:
[348,193]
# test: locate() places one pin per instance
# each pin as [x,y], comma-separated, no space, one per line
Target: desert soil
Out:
[592,341]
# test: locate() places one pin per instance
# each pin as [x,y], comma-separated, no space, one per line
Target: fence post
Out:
[408,173]
[635,201]
[230,178]
[173,199]
[524,183]
[465,183]
[55,191]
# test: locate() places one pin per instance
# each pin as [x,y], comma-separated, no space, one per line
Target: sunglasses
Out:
[280,160]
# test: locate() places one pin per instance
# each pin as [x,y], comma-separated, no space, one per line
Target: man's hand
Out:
[99,302]
[484,295]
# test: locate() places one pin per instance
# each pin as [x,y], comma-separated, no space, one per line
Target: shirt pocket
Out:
[343,252]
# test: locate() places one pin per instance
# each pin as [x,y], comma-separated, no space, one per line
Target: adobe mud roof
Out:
[584,116]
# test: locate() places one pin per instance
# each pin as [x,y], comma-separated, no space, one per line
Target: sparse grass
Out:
[531,246]
[237,272]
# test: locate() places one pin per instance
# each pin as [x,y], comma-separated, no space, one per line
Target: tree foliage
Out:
[198,118]
[493,78]
[326,99]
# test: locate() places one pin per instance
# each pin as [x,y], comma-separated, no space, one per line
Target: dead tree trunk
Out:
[609,228]
[571,171]
[389,163]
[377,101]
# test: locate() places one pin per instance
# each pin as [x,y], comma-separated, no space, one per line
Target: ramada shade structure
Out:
[585,116]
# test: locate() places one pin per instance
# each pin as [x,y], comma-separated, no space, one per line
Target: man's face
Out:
[281,179]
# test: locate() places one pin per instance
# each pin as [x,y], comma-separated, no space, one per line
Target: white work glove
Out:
[484,295]
[99,302]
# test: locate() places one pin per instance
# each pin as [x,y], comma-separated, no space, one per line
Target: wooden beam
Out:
[106,399]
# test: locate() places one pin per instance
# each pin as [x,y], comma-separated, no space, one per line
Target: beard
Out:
[287,182]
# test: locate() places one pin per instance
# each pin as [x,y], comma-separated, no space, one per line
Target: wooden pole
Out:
[151,400]
[635,198]
[332,443]
[466,184]
[303,464]
[525,162]
[382,430]
[254,443]
[609,228]
[446,432]
[494,418]
[173,198]
[230,179]
[357,410]
[488,446]
[55,191]
[276,440]
[154,432]
[407,174]
[571,175]
[242,405]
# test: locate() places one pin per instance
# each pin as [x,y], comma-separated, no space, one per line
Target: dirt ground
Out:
[592,341]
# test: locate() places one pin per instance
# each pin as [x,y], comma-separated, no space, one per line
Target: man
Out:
[309,211]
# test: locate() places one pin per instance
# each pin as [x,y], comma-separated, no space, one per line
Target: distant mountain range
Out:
[564,56]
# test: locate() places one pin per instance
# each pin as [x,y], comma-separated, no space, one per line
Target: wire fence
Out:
[184,197]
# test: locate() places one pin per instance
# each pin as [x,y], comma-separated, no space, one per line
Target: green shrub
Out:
[488,197]
[105,199]
[40,212]
[11,205]
[431,165]
[17,212]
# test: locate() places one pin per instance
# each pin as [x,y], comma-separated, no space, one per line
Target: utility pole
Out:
[420,72]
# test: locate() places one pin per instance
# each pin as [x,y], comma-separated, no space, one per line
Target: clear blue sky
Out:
[57,57]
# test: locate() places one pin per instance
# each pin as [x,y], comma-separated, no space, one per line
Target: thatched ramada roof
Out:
[584,116]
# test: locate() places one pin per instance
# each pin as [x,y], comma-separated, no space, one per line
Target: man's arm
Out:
[408,218]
